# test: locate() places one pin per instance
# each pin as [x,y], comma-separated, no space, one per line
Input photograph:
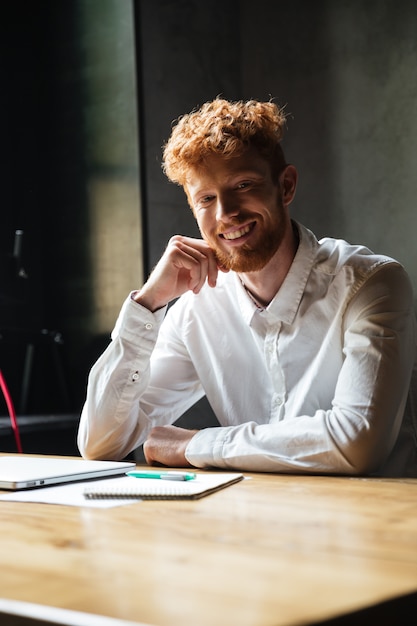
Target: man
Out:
[304,349]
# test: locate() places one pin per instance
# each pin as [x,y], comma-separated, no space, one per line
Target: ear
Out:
[288,180]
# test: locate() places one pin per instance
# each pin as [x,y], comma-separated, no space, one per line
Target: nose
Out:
[226,207]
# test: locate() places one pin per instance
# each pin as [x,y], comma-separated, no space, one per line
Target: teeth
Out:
[237,233]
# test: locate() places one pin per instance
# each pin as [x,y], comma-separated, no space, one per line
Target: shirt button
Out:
[148,326]
[135,376]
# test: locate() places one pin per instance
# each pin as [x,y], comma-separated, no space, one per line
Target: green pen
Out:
[163,475]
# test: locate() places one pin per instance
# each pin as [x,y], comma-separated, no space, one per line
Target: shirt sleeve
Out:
[131,387]
[109,425]
[357,433]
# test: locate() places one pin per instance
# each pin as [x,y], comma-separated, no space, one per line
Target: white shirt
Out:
[317,382]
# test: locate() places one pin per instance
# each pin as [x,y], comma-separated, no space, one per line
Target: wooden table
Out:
[271,550]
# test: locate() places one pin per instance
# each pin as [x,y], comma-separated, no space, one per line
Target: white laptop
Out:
[26,471]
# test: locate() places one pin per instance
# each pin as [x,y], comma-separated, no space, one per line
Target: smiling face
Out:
[240,209]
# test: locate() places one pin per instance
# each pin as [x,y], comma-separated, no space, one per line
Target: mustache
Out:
[234,221]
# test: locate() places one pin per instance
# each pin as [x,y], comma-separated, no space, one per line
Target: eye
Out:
[205,200]
[243,185]
[203,203]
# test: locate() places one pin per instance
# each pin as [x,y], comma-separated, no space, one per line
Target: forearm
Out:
[109,420]
[111,424]
[329,442]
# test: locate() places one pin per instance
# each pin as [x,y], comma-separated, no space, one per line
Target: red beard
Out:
[246,258]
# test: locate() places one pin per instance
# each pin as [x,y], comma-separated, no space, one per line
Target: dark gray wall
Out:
[346,71]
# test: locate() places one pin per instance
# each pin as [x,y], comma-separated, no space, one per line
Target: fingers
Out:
[185,265]
[200,265]
[195,257]
[166,445]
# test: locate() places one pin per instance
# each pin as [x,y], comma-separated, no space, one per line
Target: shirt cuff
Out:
[205,448]
[136,323]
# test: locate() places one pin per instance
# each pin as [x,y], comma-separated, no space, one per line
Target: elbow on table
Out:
[364,457]
[86,450]
[363,445]
[104,448]
[90,447]
[94,453]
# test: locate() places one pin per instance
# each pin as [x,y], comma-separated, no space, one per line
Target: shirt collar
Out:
[285,304]
[247,307]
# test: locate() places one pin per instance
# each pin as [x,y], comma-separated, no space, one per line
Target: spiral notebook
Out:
[150,489]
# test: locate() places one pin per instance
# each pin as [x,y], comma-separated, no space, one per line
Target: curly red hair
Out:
[224,128]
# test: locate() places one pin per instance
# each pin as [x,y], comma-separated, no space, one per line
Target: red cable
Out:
[12,412]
